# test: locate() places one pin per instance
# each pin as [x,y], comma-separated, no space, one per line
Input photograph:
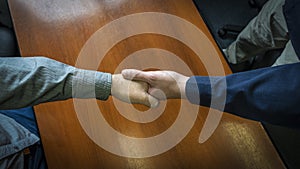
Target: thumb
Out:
[134,74]
[152,101]
[145,99]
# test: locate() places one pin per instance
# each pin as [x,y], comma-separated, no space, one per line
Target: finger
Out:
[130,74]
[157,93]
[145,99]
[149,100]
[134,74]
[152,101]
[138,93]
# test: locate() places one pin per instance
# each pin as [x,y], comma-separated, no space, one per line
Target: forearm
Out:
[30,81]
[270,94]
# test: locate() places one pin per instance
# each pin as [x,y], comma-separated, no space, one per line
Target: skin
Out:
[162,84]
[135,92]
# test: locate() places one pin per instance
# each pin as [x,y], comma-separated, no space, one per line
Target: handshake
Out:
[148,88]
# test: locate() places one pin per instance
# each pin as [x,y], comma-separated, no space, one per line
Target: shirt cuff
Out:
[91,84]
[209,91]
[198,90]
[103,85]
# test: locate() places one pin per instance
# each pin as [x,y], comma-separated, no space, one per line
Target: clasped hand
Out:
[148,88]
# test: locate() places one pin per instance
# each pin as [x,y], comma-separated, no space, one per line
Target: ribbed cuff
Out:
[91,84]
[103,85]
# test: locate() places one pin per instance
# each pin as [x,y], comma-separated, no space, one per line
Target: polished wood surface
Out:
[58,29]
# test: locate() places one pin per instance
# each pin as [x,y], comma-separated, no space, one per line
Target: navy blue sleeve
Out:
[269,94]
[291,12]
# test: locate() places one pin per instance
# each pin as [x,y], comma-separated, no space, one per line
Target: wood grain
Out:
[59,29]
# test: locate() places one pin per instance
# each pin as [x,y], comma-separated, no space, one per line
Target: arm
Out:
[270,94]
[30,81]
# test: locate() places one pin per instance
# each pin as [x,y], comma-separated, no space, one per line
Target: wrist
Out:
[182,86]
[103,85]
[114,80]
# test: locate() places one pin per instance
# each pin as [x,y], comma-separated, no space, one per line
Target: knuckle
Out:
[152,77]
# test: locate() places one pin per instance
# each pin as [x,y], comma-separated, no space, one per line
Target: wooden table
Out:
[59,29]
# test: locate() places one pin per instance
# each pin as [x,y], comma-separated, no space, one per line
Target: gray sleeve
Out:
[33,80]
[13,138]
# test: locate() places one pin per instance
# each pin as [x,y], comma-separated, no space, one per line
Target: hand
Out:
[163,84]
[132,91]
